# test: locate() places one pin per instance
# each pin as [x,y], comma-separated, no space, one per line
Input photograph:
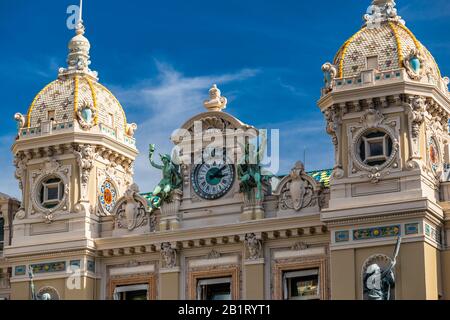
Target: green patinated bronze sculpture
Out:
[249,169]
[170,181]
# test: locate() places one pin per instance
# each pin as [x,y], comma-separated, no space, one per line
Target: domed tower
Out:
[387,108]
[74,155]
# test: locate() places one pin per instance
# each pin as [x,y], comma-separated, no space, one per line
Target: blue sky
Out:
[160,58]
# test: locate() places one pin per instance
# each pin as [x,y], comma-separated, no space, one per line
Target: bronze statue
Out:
[249,168]
[170,181]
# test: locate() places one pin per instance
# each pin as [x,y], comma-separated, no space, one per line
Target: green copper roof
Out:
[322,176]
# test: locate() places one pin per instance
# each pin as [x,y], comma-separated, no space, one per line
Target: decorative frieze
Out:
[49,267]
[377,232]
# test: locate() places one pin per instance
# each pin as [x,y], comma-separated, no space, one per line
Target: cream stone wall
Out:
[417,272]
[343,275]
[254,281]
[169,285]
[445,266]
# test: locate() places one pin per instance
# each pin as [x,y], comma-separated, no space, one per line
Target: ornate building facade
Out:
[373,227]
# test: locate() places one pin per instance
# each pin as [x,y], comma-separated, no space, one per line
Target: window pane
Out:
[134,295]
[376,149]
[53,193]
[304,286]
[218,291]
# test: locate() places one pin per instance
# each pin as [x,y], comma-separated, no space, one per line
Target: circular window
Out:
[51,192]
[108,196]
[375,148]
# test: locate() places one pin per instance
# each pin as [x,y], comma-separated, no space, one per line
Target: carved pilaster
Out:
[85,159]
[334,122]
[416,117]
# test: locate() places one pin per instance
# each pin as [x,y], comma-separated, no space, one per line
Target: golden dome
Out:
[63,97]
[77,95]
[391,43]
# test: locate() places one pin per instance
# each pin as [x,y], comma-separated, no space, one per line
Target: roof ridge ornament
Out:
[382,11]
[78,59]
[216,102]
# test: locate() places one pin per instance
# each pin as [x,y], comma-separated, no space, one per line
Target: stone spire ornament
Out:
[78,59]
[216,102]
[381,11]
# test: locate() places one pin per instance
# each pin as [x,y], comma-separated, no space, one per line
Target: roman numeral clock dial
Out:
[212,181]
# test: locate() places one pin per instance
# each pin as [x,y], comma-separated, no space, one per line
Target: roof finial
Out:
[78,59]
[382,11]
[216,102]
[79,28]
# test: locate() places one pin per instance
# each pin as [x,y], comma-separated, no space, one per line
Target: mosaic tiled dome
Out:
[386,37]
[77,87]
[66,95]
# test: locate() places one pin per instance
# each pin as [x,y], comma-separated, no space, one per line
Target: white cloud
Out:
[163,105]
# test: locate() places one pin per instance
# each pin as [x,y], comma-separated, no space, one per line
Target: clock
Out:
[212,181]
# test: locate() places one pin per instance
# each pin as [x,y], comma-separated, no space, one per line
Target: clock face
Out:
[212,181]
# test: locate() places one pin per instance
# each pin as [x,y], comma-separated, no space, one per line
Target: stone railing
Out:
[49,128]
[372,78]
[116,134]
[45,128]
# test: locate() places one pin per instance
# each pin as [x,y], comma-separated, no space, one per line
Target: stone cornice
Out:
[42,255]
[268,228]
[74,137]
[382,90]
